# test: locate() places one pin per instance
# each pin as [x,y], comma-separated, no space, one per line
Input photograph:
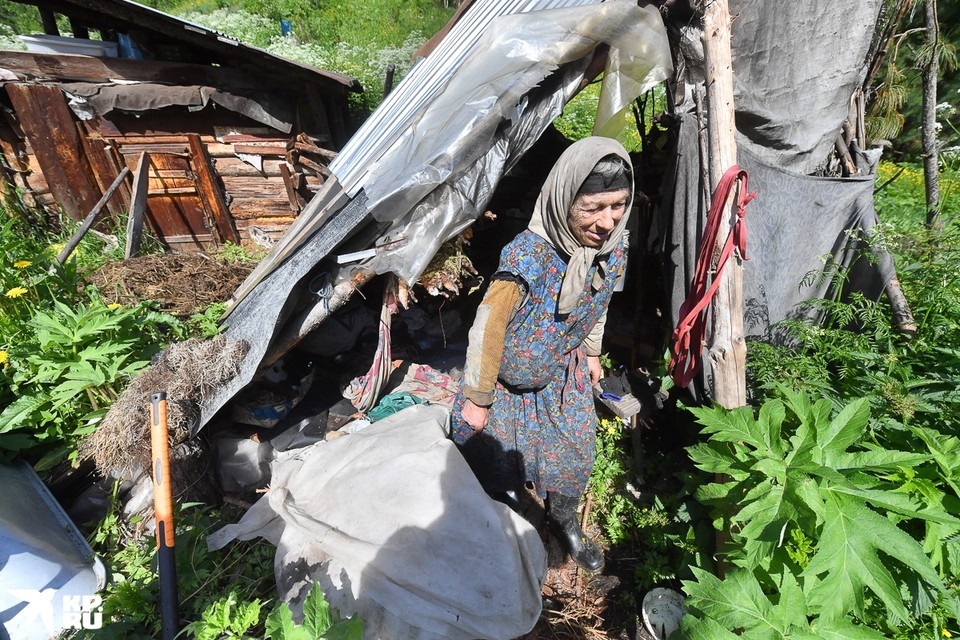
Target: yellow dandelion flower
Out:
[114,305]
[22,264]
[16,292]
[4,357]
[946,633]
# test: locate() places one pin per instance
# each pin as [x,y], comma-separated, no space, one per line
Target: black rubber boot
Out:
[562,514]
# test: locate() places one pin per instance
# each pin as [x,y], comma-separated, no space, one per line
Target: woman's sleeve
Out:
[487,335]
[593,343]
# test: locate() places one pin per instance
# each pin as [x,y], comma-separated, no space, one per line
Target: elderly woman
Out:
[526,412]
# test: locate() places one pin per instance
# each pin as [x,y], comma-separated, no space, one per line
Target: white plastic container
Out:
[61,44]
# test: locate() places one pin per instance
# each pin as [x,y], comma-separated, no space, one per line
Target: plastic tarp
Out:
[435,179]
[796,66]
[393,525]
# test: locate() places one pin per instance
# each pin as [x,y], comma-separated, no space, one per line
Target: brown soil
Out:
[578,605]
[183,283]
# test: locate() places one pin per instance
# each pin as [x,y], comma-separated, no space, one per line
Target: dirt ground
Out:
[183,283]
[578,605]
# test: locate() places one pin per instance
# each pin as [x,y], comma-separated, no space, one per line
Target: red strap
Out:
[688,337]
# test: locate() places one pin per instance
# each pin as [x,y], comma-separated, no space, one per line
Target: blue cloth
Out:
[542,423]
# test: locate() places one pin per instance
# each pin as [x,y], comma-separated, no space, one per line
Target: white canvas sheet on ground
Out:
[395,527]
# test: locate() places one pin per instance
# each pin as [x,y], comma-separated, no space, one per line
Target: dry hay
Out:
[183,283]
[188,372]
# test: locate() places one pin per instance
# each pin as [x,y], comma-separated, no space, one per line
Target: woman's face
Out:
[593,216]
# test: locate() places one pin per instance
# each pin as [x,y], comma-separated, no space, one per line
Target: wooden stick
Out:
[91,217]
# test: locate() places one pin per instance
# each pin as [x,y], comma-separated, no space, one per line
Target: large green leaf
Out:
[19,411]
[844,430]
[737,425]
[736,602]
[848,562]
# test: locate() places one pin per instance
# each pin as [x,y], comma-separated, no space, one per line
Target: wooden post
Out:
[138,205]
[727,348]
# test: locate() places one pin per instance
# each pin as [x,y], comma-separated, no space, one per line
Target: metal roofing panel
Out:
[423,83]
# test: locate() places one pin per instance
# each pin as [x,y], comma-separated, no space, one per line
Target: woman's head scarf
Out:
[550,214]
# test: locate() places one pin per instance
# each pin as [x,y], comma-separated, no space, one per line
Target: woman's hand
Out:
[596,371]
[475,415]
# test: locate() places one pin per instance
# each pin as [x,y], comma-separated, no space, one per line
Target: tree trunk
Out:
[727,348]
[931,159]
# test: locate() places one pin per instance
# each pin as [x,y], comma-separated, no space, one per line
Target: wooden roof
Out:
[194,43]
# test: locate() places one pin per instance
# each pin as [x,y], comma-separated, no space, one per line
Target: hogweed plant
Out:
[828,534]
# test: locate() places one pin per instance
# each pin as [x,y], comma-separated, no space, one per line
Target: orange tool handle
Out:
[162,494]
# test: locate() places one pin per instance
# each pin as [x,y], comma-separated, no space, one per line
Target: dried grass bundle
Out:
[188,371]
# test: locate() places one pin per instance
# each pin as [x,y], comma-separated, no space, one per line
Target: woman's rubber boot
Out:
[562,514]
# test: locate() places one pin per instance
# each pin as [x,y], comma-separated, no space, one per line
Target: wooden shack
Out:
[223,141]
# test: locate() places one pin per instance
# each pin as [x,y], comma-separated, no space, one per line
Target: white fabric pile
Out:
[394,527]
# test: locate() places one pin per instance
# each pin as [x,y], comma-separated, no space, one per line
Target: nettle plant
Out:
[827,535]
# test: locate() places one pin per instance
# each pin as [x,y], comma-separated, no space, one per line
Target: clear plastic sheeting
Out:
[435,177]
[393,525]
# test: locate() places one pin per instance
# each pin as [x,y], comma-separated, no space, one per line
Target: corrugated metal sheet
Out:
[423,83]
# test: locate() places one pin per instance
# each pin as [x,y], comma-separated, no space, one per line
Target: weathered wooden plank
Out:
[254,187]
[235,167]
[103,167]
[134,138]
[314,166]
[91,69]
[136,148]
[259,208]
[326,154]
[292,196]
[210,192]
[138,206]
[263,150]
[173,191]
[48,123]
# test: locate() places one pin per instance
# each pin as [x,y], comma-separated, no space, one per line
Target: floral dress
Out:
[542,423]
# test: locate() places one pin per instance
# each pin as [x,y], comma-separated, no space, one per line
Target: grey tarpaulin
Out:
[794,222]
[430,180]
[795,66]
[89,100]
[393,525]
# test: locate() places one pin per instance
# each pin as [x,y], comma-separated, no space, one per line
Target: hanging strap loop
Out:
[688,337]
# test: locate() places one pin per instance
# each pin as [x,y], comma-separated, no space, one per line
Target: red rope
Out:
[688,337]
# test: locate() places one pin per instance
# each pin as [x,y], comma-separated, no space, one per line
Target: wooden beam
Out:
[138,205]
[727,346]
[49,21]
[210,192]
[64,66]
